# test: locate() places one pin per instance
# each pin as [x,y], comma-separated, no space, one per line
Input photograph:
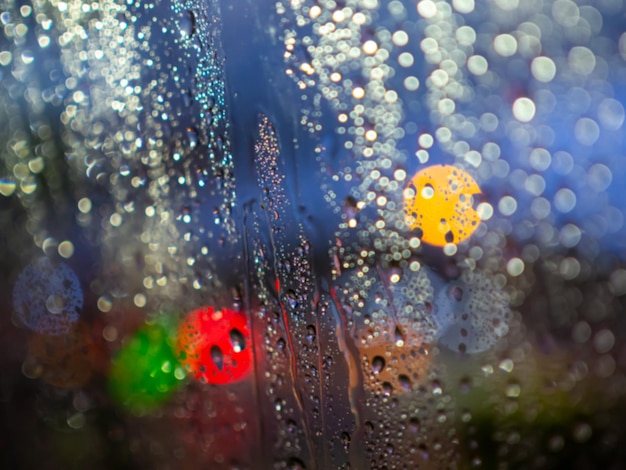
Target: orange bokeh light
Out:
[438,203]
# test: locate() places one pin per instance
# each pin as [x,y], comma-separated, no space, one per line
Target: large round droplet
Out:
[378,364]
[237,340]
[187,24]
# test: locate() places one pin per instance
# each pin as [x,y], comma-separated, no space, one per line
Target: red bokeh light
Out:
[215,345]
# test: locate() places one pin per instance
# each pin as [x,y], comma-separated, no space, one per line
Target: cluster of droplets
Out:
[144,134]
[414,309]
[472,313]
[506,86]
[303,344]
[115,139]
[336,51]
[389,313]
[527,72]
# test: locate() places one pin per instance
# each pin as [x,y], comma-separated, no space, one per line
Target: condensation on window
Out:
[304,234]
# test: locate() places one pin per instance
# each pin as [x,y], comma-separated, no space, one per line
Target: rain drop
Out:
[310,333]
[295,464]
[217,357]
[237,340]
[405,382]
[292,299]
[187,24]
[345,440]
[378,364]
[192,137]
[398,337]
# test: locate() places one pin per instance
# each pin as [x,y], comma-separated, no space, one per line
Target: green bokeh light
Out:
[145,371]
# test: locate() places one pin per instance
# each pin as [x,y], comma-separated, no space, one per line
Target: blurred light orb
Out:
[145,372]
[215,345]
[438,203]
[47,298]
[543,69]
[66,361]
[524,109]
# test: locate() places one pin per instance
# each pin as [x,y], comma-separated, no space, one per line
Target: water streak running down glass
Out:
[308,234]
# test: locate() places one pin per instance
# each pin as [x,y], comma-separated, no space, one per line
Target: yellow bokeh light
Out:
[370,47]
[358,93]
[438,203]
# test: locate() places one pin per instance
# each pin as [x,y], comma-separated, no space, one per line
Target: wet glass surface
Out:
[312,234]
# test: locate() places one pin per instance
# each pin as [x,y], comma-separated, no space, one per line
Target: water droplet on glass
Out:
[378,364]
[310,333]
[345,440]
[465,385]
[187,24]
[278,404]
[398,337]
[187,98]
[192,136]
[456,293]
[291,299]
[237,340]
[217,357]
[405,382]
[295,464]
[291,426]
